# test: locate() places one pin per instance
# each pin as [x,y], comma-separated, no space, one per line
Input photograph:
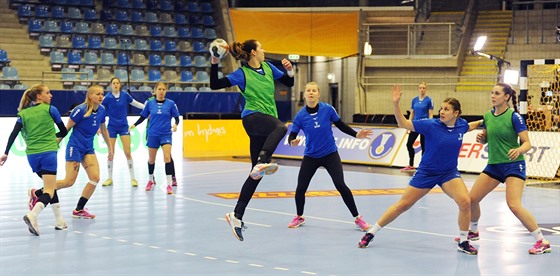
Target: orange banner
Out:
[302,33]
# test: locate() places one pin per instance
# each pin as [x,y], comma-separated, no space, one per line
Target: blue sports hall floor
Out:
[152,233]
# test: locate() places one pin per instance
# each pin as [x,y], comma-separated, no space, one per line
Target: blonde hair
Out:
[88,102]
[423,83]
[313,83]
[158,84]
[30,95]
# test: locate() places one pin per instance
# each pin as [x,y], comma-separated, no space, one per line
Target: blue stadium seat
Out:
[111,29]
[121,74]
[126,29]
[195,19]
[66,27]
[176,89]
[138,4]
[141,44]
[57,57]
[58,2]
[155,30]
[123,59]
[170,60]
[74,13]
[121,16]
[144,88]
[41,11]
[34,25]
[88,75]
[121,4]
[82,28]
[94,42]
[170,46]
[107,59]
[90,14]
[198,46]
[90,58]
[136,17]
[210,33]
[154,75]
[24,10]
[196,32]
[155,45]
[106,16]
[155,60]
[184,32]
[137,75]
[97,28]
[181,19]
[208,20]
[200,61]
[78,42]
[79,88]
[169,31]
[4,56]
[57,12]
[152,5]
[9,72]
[126,44]
[166,5]
[180,6]
[202,76]
[46,41]
[190,89]
[206,7]
[68,75]
[110,43]
[186,61]
[51,27]
[4,86]
[193,7]
[151,17]
[186,76]
[205,89]
[74,58]
[21,86]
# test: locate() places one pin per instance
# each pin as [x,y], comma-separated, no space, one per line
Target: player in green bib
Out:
[260,119]
[504,128]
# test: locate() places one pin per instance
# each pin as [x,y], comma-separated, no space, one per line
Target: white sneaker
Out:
[263,168]
[32,223]
[237,226]
[61,225]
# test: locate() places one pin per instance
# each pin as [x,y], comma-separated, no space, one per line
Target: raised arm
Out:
[401,120]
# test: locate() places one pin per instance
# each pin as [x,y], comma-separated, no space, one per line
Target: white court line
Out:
[251,223]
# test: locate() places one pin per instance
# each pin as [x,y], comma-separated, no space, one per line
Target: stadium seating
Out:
[186,76]
[185,61]
[21,86]
[9,72]
[154,75]
[202,76]
[137,75]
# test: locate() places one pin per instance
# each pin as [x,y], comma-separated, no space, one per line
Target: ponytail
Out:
[30,95]
[242,51]
[511,92]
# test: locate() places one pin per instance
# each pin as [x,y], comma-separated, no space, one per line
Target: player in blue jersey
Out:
[161,111]
[86,120]
[422,108]
[436,168]
[259,117]
[116,103]
[36,119]
[316,121]
[508,139]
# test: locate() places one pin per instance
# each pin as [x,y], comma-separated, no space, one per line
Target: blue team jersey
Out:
[443,144]
[86,127]
[319,138]
[422,107]
[117,109]
[160,116]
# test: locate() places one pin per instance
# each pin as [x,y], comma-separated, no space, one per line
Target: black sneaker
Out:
[364,242]
[237,226]
[466,248]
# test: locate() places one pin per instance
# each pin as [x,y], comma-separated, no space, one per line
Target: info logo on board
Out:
[382,144]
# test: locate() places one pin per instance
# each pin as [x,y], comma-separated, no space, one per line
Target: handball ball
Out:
[218,48]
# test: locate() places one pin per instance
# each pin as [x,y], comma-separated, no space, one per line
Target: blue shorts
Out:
[424,180]
[43,162]
[502,171]
[76,154]
[114,131]
[155,142]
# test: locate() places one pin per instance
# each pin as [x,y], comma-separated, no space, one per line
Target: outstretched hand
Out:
[287,65]
[364,133]
[3,159]
[397,93]
[295,142]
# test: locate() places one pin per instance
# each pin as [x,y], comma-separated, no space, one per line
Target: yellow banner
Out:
[302,33]
[214,138]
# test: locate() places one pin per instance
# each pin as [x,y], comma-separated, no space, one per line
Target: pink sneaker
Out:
[150,185]
[473,236]
[263,168]
[297,222]
[366,239]
[408,169]
[82,214]
[540,247]
[169,190]
[32,198]
[360,223]
[174,181]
